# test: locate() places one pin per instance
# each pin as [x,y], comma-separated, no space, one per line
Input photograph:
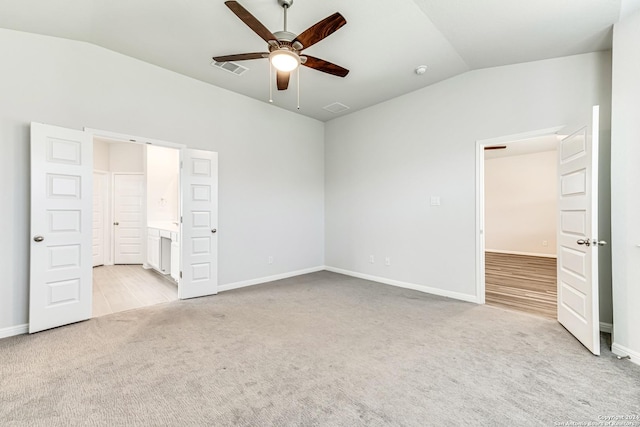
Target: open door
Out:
[199,252]
[578,307]
[61,227]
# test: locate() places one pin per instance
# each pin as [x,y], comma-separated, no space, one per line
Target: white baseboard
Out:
[421,288]
[245,283]
[498,251]
[623,351]
[606,327]
[14,330]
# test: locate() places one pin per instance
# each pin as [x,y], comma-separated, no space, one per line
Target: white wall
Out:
[126,157]
[163,171]
[384,163]
[101,156]
[271,193]
[520,203]
[625,182]
[123,157]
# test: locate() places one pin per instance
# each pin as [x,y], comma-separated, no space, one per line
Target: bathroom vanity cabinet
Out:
[163,248]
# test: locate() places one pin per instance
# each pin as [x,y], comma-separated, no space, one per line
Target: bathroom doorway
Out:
[136,229]
[61,264]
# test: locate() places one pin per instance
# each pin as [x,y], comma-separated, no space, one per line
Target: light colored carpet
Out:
[320,349]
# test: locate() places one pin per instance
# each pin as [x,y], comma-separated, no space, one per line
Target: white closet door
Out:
[199,238]
[128,215]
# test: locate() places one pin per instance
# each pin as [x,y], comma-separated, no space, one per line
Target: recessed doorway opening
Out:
[520,205]
[136,229]
[62,205]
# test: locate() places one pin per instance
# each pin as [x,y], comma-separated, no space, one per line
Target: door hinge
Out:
[180,220]
[181,274]
[181,164]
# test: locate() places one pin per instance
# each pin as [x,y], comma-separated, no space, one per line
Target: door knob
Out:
[584,242]
[213,230]
[599,242]
[116,223]
[38,239]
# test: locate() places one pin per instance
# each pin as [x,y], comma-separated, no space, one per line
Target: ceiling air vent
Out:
[336,107]
[231,67]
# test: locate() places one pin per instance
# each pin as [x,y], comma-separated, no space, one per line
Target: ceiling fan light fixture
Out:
[284,60]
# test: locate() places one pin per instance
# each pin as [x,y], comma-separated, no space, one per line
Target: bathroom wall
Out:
[162,183]
[126,157]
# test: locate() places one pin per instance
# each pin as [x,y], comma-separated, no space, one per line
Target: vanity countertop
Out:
[164,225]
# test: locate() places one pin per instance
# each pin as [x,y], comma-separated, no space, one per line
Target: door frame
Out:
[106,218]
[121,137]
[480,225]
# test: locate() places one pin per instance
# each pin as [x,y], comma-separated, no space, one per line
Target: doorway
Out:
[136,186]
[580,205]
[520,205]
[61,259]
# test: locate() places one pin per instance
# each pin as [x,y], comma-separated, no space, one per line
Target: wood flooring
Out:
[523,283]
[124,287]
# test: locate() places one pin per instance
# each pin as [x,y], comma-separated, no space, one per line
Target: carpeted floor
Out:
[320,349]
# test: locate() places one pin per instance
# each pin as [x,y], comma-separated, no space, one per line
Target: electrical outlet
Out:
[371,259]
[545,243]
[270,259]
[387,261]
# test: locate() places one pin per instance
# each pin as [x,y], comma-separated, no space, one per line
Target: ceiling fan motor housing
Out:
[285,36]
[285,3]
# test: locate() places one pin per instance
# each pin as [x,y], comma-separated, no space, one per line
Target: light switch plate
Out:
[435,200]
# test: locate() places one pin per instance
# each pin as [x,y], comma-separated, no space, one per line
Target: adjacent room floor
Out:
[124,287]
[523,283]
[321,349]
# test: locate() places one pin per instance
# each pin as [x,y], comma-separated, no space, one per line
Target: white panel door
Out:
[128,218]
[61,227]
[578,306]
[199,252]
[99,210]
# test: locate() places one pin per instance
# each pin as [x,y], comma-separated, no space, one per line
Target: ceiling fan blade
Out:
[282,78]
[241,57]
[322,29]
[325,66]
[250,20]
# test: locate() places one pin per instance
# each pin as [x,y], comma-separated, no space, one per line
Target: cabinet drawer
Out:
[153,232]
[165,233]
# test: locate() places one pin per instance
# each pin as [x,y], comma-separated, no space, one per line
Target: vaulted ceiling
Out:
[382,43]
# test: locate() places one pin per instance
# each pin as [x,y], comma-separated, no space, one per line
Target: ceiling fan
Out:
[285,47]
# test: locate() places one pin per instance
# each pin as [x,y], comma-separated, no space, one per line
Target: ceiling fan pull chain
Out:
[270,83]
[298,88]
